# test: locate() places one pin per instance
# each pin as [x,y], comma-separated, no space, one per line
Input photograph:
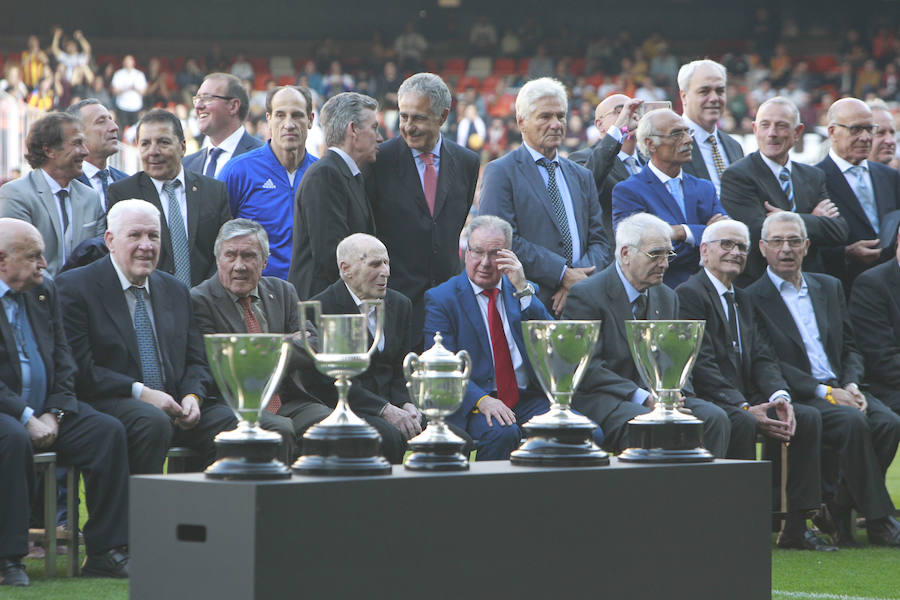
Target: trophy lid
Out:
[438,358]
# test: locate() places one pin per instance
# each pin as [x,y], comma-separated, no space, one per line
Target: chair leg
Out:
[50,520]
[72,480]
[784,477]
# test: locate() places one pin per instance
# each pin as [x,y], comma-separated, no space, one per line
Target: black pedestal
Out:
[342,449]
[665,442]
[248,459]
[436,455]
[559,446]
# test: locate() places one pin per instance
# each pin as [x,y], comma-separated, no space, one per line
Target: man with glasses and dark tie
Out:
[863,191]
[768,181]
[221,105]
[193,206]
[662,188]
[612,391]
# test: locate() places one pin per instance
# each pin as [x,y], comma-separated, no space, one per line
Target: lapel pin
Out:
[194,188]
[42,298]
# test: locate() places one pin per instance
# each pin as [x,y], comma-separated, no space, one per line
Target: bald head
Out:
[22,260]
[608,111]
[850,129]
[364,265]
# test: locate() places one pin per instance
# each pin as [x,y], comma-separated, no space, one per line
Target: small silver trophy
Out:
[437,381]
[342,443]
[247,368]
[664,353]
[559,352]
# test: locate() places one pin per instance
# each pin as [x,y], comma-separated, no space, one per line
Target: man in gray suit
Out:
[222,105]
[64,210]
[612,391]
[550,201]
[238,299]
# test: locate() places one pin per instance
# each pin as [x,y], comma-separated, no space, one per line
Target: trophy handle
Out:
[467,363]
[410,363]
[305,307]
[379,322]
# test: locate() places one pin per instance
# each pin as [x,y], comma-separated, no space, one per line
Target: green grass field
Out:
[866,574]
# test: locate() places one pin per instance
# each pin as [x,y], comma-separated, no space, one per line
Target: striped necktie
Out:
[559,211]
[785,179]
[178,235]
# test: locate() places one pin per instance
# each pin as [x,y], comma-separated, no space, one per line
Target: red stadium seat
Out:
[286,80]
[577,66]
[260,65]
[261,81]
[823,63]
[504,66]
[456,66]
[523,66]
[467,82]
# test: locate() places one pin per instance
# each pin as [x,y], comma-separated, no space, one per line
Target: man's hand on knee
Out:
[162,401]
[492,408]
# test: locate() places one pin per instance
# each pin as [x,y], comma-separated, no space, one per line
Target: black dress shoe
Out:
[12,572]
[112,563]
[807,541]
[884,532]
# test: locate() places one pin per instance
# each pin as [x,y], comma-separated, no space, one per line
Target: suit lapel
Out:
[618,305]
[50,204]
[112,297]
[732,148]
[836,181]
[697,164]
[821,309]
[9,342]
[446,176]
[409,175]
[162,306]
[193,192]
[766,178]
[663,195]
[779,313]
[39,318]
[148,192]
[223,305]
[573,182]
[529,172]
[466,297]
[274,310]
[357,191]
[619,171]
[880,191]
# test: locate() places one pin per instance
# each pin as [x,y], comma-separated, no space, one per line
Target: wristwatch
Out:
[59,413]
[528,290]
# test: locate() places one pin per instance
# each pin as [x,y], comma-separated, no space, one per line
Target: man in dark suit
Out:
[379,395]
[194,206]
[614,158]
[875,312]
[64,210]
[612,391]
[768,181]
[664,189]
[331,202]
[39,411]
[141,361]
[863,191]
[808,323]
[736,368]
[702,85]
[481,311]
[238,299]
[222,105]
[101,136]
[550,201]
[421,189]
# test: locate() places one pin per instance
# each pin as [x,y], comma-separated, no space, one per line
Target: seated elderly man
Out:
[238,299]
[39,411]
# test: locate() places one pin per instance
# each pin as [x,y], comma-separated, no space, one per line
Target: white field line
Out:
[776,594]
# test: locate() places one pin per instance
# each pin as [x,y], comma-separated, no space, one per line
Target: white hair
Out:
[711,231]
[355,246]
[687,71]
[130,206]
[536,89]
[783,217]
[632,230]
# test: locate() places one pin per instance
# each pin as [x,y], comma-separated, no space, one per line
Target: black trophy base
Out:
[343,449]
[248,459]
[665,442]
[548,446]
[436,456]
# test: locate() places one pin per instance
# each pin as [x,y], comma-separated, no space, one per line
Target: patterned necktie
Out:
[559,211]
[717,157]
[733,324]
[865,195]
[253,326]
[61,195]
[103,174]
[632,164]
[213,159]
[37,374]
[504,374]
[639,307]
[785,179]
[674,186]
[146,339]
[430,180]
[178,235]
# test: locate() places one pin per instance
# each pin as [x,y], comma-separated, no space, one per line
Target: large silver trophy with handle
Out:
[664,353]
[437,381]
[342,443]
[247,368]
[559,352]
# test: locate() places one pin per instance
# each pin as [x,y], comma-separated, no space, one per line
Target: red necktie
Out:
[430,180]
[253,327]
[507,386]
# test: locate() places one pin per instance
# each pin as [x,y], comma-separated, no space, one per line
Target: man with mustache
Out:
[884,143]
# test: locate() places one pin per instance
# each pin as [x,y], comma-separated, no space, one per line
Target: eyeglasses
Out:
[205,98]
[858,129]
[675,135]
[658,255]
[729,245]
[794,242]
[479,254]
[617,111]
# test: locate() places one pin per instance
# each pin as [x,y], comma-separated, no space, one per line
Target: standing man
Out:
[194,206]
[331,202]
[612,391]
[664,189]
[550,201]
[262,183]
[101,136]
[128,85]
[221,105]
[884,141]
[139,353]
[64,210]
[768,181]
[238,299]
[702,85]
[614,158]
[39,412]
[863,191]
[421,189]
[808,323]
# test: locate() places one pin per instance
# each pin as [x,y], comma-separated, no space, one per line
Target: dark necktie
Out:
[559,211]
[103,174]
[146,339]
[733,324]
[430,180]
[37,385]
[784,177]
[61,195]
[178,235]
[213,159]
[253,326]
[504,374]
[639,307]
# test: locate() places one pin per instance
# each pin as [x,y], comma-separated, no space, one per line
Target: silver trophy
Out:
[664,353]
[342,443]
[247,368]
[437,381]
[559,352]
